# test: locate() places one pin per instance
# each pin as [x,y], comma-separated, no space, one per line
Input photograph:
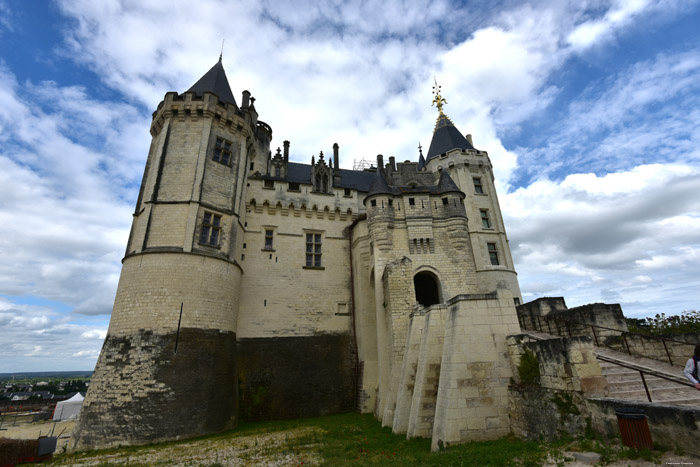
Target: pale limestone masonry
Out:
[266,288]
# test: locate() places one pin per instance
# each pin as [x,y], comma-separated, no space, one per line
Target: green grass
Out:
[351,439]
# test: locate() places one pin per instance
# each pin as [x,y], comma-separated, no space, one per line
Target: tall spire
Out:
[215,81]
[445,135]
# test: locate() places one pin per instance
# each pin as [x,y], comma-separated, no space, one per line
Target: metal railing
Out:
[642,371]
[593,327]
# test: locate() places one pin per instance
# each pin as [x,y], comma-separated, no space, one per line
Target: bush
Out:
[529,368]
[686,322]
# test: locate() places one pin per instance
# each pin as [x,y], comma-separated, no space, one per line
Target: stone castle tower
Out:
[259,288]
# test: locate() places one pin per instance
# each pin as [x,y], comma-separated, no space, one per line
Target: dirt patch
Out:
[282,448]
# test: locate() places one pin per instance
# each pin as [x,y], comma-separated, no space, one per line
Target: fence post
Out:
[627,345]
[645,386]
[595,336]
[667,352]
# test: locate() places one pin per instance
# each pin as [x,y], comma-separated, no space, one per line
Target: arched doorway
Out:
[427,288]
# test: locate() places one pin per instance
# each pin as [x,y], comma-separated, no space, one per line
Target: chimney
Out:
[336,158]
[469,138]
[392,163]
[336,165]
[246,99]
[380,162]
[286,152]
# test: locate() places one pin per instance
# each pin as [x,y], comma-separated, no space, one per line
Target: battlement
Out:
[190,106]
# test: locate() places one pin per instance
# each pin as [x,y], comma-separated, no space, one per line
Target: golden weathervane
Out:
[438,101]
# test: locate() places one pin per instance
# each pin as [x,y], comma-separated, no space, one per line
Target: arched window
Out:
[427,288]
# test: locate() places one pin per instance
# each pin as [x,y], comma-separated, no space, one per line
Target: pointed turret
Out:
[421,159]
[379,185]
[445,135]
[215,81]
[446,184]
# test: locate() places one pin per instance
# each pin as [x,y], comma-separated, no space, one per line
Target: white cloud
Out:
[600,214]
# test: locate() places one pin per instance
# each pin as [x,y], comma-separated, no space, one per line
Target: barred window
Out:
[493,253]
[478,188]
[211,229]
[485,222]
[268,239]
[222,151]
[313,249]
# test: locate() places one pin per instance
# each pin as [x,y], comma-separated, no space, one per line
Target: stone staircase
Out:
[622,372]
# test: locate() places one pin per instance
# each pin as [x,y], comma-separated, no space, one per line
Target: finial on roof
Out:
[420,149]
[221,55]
[438,101]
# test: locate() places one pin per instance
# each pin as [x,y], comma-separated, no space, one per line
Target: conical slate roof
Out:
[446,184]
[215,81]
[379,185]
[446,137]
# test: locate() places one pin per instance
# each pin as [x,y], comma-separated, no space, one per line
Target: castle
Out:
[259,288]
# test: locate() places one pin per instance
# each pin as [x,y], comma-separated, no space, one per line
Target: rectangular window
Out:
[293,187]
[252,165]
[485,222]
[268,184]
[313,249]
[268,239]
[411,201]
[478,188]
[493,253]
[347,192]
[373,203]
[211,229]
[445,201]
[222,151]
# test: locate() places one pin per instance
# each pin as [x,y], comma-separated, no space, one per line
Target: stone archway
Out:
[427,287]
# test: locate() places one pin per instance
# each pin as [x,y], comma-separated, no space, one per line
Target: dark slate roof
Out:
[215,81]
[446,184]
[379,185]
[421,162]
[355,180]
[446,137]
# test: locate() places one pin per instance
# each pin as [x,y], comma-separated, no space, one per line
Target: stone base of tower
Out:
[296,377]
[143,391]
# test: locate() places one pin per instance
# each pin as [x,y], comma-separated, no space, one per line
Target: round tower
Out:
[167,368]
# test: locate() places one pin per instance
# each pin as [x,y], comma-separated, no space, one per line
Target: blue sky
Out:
[590,112]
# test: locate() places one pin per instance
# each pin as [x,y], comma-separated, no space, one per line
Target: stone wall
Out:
[144,390]
[679,346]
[296,377]
[472,402]
[567,364]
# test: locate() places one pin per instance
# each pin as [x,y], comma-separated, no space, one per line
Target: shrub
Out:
[529,368]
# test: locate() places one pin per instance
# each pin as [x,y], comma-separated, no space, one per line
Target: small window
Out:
[211,229]
[252,165]
[268,184]
[493,253]
[391,202]
[516,301]
[411,201]
[293,187]
[478,188]
[373,203]
[445,201]
[222,151]
[347,192]
[485,222]
[268,239]
[313,249]
[278,171]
